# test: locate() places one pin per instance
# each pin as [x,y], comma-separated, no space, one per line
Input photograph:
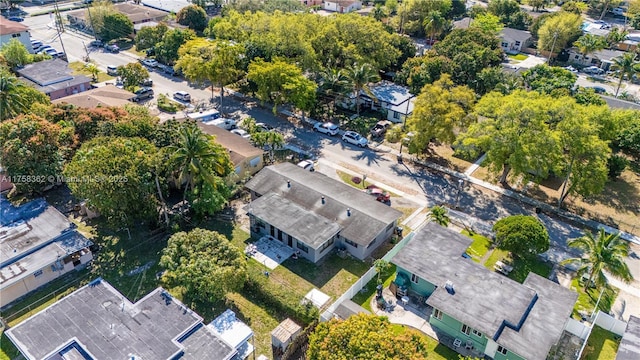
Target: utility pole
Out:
[59,27]
[555,37]
[95,36]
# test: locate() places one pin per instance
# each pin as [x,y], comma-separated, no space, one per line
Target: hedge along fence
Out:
[278,298]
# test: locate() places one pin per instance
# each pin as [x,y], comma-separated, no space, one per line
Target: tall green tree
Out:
[440,111]
[167,50]
[115,26]
[115,175]
[510,13]
[97,12]
[132,74]
[205,263]
[379,12]
[192,16]
[625,65]
[359,77]
[149,36]
[434,24]
[422,70]
[364,337]
[333,85]
[16,97]
[411,15]
[549,79]
[215,61]
[15,54]
[589,43]
[198,164]
[522,235]
[31,152]
[602,252]
[279,82]
[558,30]
[615,36]
[488,23]
[93,70]
[439,215]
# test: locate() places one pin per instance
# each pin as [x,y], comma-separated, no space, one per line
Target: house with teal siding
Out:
[481,310]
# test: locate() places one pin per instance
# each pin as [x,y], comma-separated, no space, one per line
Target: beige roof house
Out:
[108,95]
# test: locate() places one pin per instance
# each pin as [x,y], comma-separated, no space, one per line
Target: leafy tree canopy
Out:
[510,13]
[522,235]
[558,31]
[363,337]
[149,36]
[116,26]
[488,23]
[132,74]
[16,97]
[548,79]
[205,263]
[115,175]
[31,152]
[422,70]
[192,16]
[15,54]
[172,40]
[410,17]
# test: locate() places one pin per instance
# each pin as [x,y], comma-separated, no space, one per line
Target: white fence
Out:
[577,328]
[370,274]
[610,323]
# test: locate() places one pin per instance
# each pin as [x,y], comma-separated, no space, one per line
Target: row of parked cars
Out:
[40,48]
[352,137]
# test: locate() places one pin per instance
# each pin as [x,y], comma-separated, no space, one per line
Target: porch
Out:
[416,313]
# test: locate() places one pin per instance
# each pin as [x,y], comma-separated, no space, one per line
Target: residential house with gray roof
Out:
[313,213]
[54,78]
[98,322]
[629,348]
[37,245]
[484,311]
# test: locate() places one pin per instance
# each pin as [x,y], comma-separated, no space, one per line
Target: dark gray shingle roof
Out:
[629,348]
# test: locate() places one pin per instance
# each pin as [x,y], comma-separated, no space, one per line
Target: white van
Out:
[182,96]
[204,115]
[227,124]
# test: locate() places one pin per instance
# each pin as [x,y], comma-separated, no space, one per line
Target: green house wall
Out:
[423,287]
[453,328]
[510,356]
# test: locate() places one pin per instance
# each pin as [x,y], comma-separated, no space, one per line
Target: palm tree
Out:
[589,43]
[12,101]
[379,12]
[359,77]
[333,83]
[438,214]
[606,252]
[434,24]
[93,70]
[615,36]
[624,65]
[195,159]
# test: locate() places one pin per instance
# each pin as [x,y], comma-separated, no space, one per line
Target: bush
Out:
[167,105]
[394,134]
[616,164]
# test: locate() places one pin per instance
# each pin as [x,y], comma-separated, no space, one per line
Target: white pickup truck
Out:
[227,124]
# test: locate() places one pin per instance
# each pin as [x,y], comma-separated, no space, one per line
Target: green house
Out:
[480,310]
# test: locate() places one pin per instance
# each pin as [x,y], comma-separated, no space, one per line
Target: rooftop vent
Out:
[323,200]
[449,286]
[288,183]
[348,212]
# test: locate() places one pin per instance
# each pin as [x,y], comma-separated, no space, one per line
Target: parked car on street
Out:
[328,128]
[227,124]
[572,69]
[51,52]
[598,89]
[146,82]
[96,43]
[241,133]
[15,18]
[112,48]
[182,96]
[143,94]
[380,195]
[35,44]
[354,138]
[593,70]
[112,70]
[260,127]
[150,63]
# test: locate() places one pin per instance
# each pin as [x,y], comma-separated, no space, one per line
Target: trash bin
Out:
[399,231]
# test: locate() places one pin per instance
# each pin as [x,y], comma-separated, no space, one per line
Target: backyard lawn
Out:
[601,345]
[435,350]
[479,246]
[521,267]
[364,296]
[587,300]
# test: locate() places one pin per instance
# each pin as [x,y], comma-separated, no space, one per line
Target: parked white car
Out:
[307,165]
[150,62]
[354,138]
[241,133]
[182,96]
[227,124]
[593,70]
[327,128]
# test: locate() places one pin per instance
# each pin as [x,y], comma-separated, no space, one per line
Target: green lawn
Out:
[479,246]
[364,297]
[518,57]
[7,350]
[348,179]
[521,267]
[587,300]
[78,68]
[435,350]
[601,345]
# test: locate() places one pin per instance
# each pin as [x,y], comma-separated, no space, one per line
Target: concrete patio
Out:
[269,252]
[416,315]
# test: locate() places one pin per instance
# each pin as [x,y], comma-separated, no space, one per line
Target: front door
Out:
[289,240]
[279,235]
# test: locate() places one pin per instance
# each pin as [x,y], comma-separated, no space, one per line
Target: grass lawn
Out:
[78,68]
[601,345]
[7,350]
[435,350]
[521,267]
[479,246]
[259,318]
[587,300]
[364,296]
[348,179]
[518,57]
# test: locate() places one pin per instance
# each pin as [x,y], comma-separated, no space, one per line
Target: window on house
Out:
[476,333]
[517,43]
[577,57]
[437,314]
[396,115]
[502,350]
[351,243]
[327,244]
[465,329]
[414,278]
[302,247]
[37,273]
[504,44]
[371,243]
